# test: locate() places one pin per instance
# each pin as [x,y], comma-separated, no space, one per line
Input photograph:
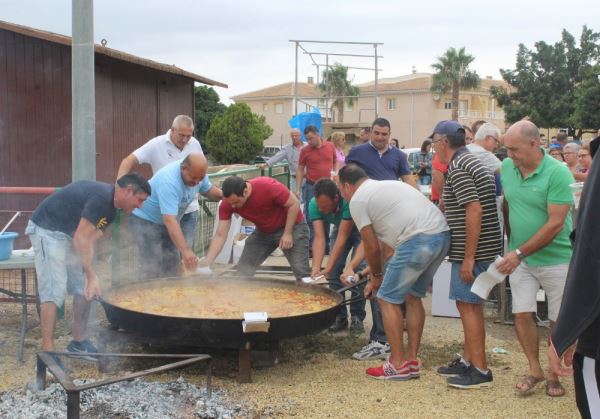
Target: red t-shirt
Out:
[440,167]
[319,162]
[265,206]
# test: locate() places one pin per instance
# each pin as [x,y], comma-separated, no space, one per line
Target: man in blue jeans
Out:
[328,207]
[470,204]
[381,162]
[403,219]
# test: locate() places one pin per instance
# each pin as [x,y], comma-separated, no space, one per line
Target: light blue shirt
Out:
[170,196]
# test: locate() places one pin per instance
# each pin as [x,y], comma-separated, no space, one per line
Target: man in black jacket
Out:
[579,318]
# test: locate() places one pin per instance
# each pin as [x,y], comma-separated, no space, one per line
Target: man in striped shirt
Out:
[470,205]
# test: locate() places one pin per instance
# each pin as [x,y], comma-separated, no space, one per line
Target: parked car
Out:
[410,154]
[271,150]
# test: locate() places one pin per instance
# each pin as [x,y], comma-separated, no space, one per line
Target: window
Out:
[279,108]
[348,107]
[463,108]
[265,107]
[448,104]
[391,104]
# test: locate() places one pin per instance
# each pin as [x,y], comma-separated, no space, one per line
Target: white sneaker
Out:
[277,252]
[373,350]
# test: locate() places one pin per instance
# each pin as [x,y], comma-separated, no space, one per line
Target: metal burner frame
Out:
[45,361]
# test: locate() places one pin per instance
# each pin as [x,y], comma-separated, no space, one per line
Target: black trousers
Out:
[586,373]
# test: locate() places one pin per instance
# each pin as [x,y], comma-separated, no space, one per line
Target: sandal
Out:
[554,388]
[527,384]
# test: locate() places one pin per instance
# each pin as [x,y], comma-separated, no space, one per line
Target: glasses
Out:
[568,152]
[582,156]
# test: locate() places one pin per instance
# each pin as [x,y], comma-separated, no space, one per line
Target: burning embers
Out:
[130,399]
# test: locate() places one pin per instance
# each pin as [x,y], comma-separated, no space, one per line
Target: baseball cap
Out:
[448,127]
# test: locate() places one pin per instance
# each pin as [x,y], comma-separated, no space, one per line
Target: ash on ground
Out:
[132,399]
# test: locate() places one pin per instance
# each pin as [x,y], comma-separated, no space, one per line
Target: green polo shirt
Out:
[528,201]
[342,212]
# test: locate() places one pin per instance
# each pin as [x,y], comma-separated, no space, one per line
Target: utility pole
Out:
[83,102]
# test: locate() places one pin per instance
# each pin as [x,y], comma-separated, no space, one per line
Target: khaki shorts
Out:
[526,281]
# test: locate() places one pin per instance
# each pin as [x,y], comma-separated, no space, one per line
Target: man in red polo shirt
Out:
[279,223]
[320,161]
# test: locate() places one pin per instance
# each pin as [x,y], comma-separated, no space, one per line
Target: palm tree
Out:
[452,74]
[335,84]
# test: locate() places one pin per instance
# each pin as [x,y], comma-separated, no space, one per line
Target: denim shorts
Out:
[461,290]
[412,267]
[57,265]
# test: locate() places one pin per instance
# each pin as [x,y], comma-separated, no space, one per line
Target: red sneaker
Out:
[406,371]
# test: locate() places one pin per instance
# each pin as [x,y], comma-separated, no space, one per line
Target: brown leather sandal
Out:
[554,388]
[527,383]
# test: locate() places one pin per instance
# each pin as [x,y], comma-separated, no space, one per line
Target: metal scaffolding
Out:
[319,64]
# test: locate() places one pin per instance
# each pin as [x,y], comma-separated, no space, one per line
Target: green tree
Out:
[335,84]
[453,75]
[237,136]
[207,107]
[555,85]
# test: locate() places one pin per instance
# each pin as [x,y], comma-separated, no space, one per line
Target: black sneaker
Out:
[356,326]
[85,346]
[472,378]
[456,367]
[339,325]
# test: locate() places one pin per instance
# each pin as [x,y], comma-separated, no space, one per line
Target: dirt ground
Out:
[316,377]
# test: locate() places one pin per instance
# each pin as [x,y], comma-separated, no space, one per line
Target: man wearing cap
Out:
[470,206]
[537,217]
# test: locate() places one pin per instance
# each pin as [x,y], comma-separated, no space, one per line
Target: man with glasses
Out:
[471,213]
[570,153]
[176,144]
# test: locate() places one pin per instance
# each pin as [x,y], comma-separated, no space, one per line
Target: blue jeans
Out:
[461,290]
[425,180]
[411,269]
[357,309]
[308,192]
[189,227]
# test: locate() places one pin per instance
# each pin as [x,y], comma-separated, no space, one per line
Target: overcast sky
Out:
[246,43]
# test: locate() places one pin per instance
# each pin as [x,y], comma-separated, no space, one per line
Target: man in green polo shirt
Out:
[537,216]
[328,207]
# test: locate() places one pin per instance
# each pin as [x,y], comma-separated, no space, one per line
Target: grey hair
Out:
[574,147]
[487,129]
[296,130]
[182,120]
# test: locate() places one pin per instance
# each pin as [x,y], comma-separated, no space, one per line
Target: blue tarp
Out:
[304,119]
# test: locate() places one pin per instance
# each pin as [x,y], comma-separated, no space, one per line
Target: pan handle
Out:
[353,299]
[361,280]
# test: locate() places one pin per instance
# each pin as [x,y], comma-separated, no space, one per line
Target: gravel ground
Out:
[316,378]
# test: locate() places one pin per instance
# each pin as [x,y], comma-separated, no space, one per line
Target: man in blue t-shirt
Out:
[156,226]
[63,231]
[328,207]
[381,162]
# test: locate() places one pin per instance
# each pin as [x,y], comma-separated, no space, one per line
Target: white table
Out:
[21,263]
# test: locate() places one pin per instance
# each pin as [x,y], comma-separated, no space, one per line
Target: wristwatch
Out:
[519,254]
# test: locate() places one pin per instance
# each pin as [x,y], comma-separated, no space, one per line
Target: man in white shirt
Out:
[176,144]
[486,141]
[404,220]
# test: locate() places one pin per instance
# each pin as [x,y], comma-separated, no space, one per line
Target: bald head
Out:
[524,130]
[522,142]
[193,169]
